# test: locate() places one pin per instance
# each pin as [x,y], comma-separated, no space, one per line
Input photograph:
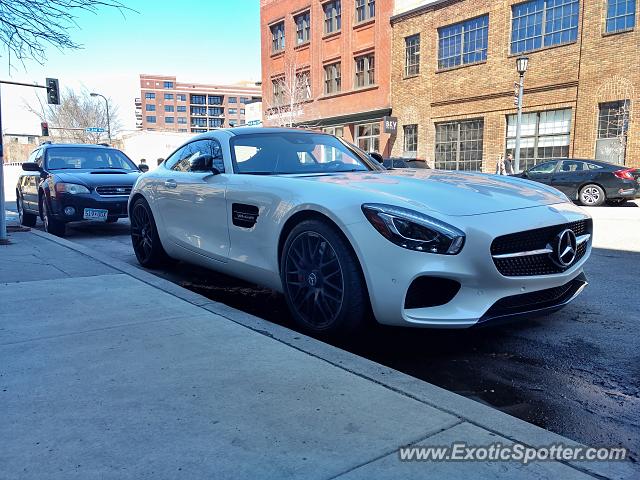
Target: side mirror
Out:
[377,157]
[204,163]
[143,167]
[30,167]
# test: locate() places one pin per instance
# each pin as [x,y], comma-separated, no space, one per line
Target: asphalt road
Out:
[576,372]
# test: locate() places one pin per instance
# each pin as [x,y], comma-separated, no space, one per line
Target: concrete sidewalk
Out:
[107,371]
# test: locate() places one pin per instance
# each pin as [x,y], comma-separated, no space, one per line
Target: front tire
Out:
[51,225]
[322,280]
[26,219]
[144,236]
[592,195]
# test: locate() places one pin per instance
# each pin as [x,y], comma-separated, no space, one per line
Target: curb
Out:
[468,410]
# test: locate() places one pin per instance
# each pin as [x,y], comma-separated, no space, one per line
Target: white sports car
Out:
[313,217]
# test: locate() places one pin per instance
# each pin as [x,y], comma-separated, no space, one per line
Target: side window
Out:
[173,158]
[193,150]
[593,166]
[571,166]
[39,157]
[544,168]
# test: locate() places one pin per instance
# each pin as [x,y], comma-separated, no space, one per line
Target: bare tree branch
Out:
[76,112]
[28,26]
[290,92]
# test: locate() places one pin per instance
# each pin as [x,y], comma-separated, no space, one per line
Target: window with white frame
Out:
[368,137]
[277,37]
[365,70]
[543,136]
[303,27]
[542,23]
[412,55]
[332,79]
[332,16]
[365,9]
[621,15]
[459,145]
[410,140]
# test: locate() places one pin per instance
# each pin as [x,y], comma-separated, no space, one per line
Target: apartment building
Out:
[453,68]
[168,105]
[326,64]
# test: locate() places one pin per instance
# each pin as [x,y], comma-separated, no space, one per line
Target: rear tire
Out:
[592,195]
[26,219]
[322,281]
[144,236]
[51,225]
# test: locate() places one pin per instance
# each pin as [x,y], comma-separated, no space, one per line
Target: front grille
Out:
[530,302]
[530,240]
[114,190]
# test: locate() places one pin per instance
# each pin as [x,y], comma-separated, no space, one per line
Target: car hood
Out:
[449,193]
[92,178]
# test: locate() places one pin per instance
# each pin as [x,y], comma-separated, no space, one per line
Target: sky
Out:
[208,41]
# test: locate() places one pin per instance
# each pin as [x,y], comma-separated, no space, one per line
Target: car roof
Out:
[77,145]
[236,131]
[590,160]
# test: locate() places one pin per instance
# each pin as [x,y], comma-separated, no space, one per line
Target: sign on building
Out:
[390,125]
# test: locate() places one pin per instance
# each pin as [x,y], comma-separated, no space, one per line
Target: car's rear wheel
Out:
[592,195]
[323,284]
[144,236]
[51,225]
[26,219]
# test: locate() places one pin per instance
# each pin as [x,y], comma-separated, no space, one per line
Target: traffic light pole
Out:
[4,239]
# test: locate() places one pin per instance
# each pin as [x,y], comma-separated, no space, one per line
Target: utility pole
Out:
[522,64]
[53,97]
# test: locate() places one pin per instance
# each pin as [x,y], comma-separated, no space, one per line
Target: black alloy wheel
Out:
[322,280]
[144,236]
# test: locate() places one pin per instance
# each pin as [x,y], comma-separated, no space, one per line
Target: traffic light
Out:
[45,129]
[53,95]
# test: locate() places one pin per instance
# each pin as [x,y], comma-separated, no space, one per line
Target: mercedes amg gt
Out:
[309,215]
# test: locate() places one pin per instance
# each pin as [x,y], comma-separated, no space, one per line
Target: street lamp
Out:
[522,63]
[93,94]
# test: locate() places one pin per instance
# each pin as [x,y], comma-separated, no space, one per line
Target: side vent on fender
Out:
[243,215]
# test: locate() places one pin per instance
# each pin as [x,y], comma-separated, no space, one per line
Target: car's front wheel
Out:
[322,280]
[51,225]
[592,195]
[144,236]
[26,219]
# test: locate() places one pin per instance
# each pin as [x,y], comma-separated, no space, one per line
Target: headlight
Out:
[414,230]
[72,188]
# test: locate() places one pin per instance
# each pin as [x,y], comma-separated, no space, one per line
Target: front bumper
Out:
[116,205]
[390,270]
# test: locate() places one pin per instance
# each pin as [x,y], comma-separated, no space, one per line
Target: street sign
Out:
[94,130]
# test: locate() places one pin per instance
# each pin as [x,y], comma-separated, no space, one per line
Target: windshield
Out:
[62,158]
[292,152]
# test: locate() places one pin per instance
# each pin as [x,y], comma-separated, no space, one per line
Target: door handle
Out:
[171,184]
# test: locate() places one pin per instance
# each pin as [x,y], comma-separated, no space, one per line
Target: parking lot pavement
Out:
[115,372]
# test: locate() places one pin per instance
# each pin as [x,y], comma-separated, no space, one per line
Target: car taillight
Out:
[624,174]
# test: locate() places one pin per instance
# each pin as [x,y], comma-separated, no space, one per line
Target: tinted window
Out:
[282,153]
[593,166]
[62,158]
[572,166]
[544,168]
[181,160]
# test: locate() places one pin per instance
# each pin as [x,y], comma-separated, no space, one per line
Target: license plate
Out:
[95,214]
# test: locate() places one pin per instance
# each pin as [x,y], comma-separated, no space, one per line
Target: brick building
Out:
[168,105]
[453,73]
[332,57]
